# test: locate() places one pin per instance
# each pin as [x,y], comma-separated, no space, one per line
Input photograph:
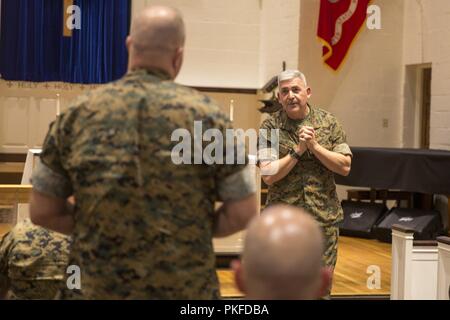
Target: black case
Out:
[360,218]
[426,224]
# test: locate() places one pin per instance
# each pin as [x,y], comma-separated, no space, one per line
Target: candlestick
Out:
[231,110]
[58,105]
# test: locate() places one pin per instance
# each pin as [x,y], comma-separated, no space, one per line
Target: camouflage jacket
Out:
[309,184]
[143,225]
[33,261]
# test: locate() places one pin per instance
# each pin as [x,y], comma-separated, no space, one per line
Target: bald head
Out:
[157,35]
[282,258]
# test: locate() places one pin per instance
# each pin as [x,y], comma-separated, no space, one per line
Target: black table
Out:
[413,170]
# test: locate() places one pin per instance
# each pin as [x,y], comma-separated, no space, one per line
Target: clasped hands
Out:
[307,136]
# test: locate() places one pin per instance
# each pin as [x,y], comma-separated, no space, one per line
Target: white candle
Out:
[58,105]
[231,110]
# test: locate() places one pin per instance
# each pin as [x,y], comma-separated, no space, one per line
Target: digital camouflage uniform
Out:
[33,262]
[309,185]
[143,225]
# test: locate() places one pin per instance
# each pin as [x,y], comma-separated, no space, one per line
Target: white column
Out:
[402,244]
[443,285]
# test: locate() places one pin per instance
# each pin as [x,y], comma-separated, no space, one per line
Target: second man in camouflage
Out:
[299,166]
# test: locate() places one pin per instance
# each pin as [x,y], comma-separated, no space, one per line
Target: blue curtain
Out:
[33,48]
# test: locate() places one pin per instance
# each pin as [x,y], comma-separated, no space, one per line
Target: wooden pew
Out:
[11,168]
[13,196]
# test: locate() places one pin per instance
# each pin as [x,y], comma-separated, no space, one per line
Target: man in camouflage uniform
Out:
[312,147]
[142,226]
[33,261]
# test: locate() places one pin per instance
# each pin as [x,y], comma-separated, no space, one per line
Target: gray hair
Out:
[291,74]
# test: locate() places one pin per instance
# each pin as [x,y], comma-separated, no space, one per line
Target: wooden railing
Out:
[12,194]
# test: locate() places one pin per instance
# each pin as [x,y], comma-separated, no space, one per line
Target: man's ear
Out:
[177,61]
[236,266]
[308,92]
[326,279]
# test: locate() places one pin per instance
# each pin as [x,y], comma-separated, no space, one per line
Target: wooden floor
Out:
[355,256]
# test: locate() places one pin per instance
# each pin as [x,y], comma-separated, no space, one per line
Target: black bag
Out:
[360,218]
[427,225]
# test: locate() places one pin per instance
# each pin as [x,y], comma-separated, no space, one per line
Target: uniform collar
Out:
[148,73]
[291,124]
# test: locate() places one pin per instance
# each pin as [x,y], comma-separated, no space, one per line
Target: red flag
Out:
[339,22]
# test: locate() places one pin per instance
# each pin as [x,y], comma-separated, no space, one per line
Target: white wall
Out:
[238,44]
[242,44]
[222,45]
[368,87]
[426,40]
[280,35]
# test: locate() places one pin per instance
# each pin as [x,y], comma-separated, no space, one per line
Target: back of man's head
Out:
[282,257]
[156,34]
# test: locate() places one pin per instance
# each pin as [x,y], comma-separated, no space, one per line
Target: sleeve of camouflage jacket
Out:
[266,148]
[339,140]
[5,248]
